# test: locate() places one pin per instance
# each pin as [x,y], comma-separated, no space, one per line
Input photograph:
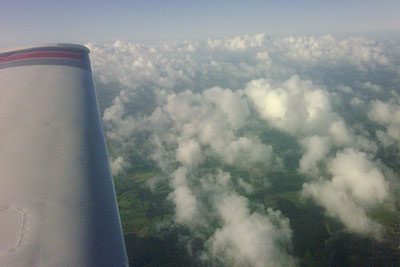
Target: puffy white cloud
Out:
[118,165]
[119,126]
[298,107]
[357,51]
[345,89]
[388,115]
[250,239]
[137,65]
[340,133]
[204,123]
[371,86]
[231,103]
[384,113]
[230,61]
[316,149]
[183,103]
[238,42]
[186,209]
[356,102]
[357,184]
[246,186]
[242,237]
[189,153]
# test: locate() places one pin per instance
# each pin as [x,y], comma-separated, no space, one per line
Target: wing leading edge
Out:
[57,199]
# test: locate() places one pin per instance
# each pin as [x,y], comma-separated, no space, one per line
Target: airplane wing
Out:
[57,198]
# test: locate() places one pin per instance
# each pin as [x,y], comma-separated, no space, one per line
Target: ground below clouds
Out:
[253,150]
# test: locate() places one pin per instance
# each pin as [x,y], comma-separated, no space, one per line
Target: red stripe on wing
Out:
[42,54]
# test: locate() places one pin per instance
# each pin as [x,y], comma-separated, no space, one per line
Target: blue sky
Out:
[30,22]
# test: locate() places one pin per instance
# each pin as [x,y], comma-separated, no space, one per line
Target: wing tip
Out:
[63,46]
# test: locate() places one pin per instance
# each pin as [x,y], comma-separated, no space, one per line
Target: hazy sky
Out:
[31,22]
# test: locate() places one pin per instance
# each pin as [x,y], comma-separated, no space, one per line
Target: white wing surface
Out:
[57,199]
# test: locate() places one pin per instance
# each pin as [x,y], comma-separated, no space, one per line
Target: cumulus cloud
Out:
[357,184]
[229,62]
[371,86]
[295,106]
[186,205]
[120,126]
[316,150]
[118,165]
[388,115]
[188,127]
[238,43]
[206,123]
[300,108]
[242,237]
[357,51]
[189,153]
[247,239]
[182,104]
